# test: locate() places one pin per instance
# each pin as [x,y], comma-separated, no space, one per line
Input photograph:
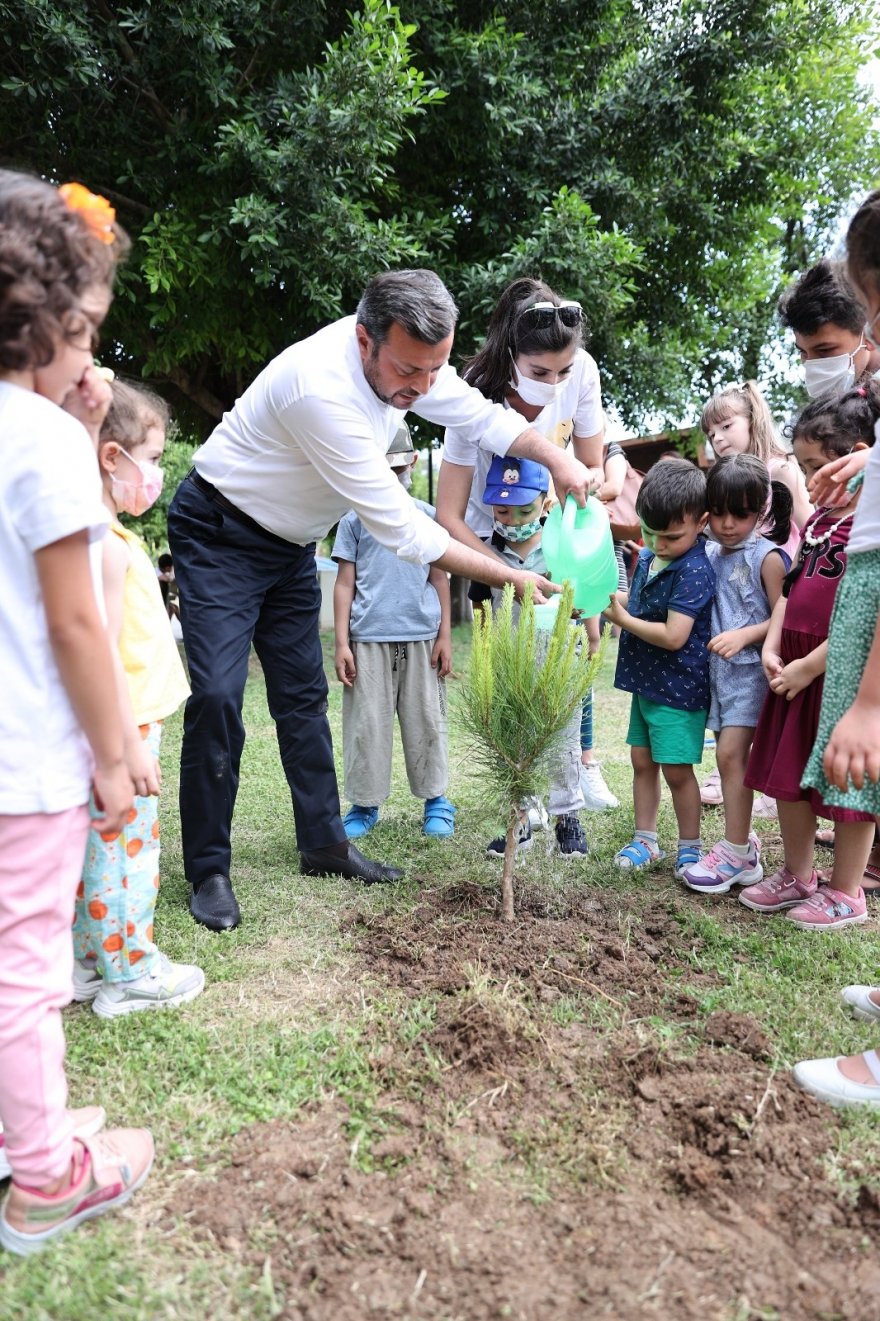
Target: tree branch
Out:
[166,119]
[207,401]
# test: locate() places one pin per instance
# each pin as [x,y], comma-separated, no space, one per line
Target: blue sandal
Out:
[439,820]
[688,856]
[636,854]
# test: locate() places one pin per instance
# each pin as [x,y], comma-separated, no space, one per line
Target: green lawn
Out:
[291,1015]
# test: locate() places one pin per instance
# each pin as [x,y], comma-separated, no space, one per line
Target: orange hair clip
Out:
[95,210]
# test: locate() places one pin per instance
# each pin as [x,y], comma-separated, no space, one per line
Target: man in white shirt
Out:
[305,443]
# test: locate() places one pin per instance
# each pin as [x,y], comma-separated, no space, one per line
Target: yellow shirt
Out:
[156,678]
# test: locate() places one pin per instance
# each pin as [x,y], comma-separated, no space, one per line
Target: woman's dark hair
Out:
[670,491]
[740,484]
[510,334]
[133,411]
[48,259]
[838,423]
[863,244]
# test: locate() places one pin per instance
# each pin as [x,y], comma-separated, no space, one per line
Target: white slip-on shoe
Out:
[823,1079]
[858,999]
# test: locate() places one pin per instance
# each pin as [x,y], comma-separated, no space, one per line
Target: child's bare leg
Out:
[797,824]
[685,798]
[852,845]
[646,788]
[732,755]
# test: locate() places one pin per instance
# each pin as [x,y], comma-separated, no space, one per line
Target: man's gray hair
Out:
[418,301]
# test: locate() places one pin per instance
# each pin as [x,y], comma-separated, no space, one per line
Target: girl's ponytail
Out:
[765,442]
[778,522]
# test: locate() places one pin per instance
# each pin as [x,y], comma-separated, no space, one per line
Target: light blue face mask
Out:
[514,534]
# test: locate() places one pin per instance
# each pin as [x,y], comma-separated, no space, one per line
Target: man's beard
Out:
[370,375]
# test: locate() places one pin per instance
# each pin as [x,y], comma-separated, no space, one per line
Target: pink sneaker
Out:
[107,1170]
[829,908]
[710,790]
[721,868]
[87,1121]
[781,890]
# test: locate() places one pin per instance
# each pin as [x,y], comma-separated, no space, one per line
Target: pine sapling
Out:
[522,689]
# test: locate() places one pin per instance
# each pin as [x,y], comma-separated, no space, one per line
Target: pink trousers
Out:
[41,859]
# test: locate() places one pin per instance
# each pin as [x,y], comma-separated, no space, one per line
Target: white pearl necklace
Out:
[814,541]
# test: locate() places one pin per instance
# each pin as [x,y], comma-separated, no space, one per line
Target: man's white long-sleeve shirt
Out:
[306,442]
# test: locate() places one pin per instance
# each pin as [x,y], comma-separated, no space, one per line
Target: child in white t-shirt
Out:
[60,727]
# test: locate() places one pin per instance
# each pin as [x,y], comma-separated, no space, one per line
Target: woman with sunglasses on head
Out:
[534,362]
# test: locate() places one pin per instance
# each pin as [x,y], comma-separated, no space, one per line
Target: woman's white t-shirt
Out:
[49,489]
[576,411]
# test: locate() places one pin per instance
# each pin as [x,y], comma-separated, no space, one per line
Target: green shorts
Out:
[675,737]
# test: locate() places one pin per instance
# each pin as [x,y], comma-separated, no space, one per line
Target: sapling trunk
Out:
[507,907]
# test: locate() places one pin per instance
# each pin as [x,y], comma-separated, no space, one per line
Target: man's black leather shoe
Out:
[213,903]
[345,860]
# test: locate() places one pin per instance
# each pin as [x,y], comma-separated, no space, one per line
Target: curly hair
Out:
[837,425]
[48,258]
[133,411]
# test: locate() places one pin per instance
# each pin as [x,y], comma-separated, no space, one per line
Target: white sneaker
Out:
[597,796]
[173,984]
[538,818]
[87,981]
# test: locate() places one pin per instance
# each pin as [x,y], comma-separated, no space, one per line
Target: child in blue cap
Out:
[516,491]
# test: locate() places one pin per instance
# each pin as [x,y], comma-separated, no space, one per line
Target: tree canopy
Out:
[669,164]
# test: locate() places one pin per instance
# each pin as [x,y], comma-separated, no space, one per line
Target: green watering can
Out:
[578,547]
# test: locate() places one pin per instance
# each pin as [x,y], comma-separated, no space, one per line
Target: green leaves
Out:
[523,688]
[669,165]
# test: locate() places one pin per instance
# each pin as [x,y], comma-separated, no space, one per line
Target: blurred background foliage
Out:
[671,165]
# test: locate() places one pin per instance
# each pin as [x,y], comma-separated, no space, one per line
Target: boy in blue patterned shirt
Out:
[663,659]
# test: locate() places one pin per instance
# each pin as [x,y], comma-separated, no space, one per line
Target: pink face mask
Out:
[136,498]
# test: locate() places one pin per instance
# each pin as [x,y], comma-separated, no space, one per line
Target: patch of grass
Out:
[288,1019]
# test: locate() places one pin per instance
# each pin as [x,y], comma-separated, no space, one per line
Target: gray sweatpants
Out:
[394,676]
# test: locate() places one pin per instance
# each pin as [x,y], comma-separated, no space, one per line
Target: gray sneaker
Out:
[172,984]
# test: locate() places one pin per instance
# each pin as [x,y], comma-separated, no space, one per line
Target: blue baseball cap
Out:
[515,481]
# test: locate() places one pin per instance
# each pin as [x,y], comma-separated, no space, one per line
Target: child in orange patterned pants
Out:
[117,965]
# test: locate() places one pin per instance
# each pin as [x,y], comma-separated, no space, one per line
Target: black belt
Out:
[218,498]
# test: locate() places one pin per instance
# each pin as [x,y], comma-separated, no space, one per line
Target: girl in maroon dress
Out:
[794,661]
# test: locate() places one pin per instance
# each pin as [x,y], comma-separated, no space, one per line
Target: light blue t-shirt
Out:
[393,600]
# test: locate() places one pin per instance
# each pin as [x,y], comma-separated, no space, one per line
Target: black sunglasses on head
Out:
[541,315]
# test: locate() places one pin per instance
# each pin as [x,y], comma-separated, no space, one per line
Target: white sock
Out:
[739,850]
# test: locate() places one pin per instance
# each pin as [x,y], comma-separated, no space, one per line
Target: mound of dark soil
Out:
[688,1189]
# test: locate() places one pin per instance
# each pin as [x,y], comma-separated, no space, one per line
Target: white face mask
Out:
[832,375]
[537,393]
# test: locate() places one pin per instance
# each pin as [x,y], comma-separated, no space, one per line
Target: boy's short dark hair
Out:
[823,294]
[670,492]
[165,562]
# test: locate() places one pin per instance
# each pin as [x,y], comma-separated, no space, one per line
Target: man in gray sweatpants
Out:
[393,652]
